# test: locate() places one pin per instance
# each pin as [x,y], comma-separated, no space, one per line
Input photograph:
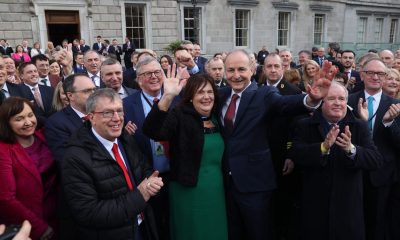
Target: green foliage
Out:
[172,46]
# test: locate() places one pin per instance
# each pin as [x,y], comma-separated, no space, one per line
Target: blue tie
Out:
[370,111]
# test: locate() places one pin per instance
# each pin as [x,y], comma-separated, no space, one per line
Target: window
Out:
[242,19]
[362,29]
[378,30]
[283,28]
[191,26]
[319,24]
[393,30]
[135,23]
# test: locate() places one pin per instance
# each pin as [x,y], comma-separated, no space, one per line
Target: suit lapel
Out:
[380,112]
[245,100]
[138,109]
[74,118]
[26,161]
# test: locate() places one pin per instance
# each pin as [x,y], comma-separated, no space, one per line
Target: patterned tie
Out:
[370,111]
[122,165]
[38,97]
[230,114]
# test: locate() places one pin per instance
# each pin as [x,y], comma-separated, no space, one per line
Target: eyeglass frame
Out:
[157,73]
[373,73]
[105,114]
[85,91]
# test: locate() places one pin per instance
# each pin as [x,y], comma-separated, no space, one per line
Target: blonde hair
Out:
[57,104]
[306,78]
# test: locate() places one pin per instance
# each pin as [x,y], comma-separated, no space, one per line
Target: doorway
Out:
[62,25]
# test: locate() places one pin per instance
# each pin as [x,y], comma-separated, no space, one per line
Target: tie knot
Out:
[155,100]
[235,97]
[115,147]
[370,99]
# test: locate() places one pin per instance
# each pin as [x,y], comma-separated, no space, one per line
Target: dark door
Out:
[62,25]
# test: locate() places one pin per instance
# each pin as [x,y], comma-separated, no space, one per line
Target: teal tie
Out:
[370,111]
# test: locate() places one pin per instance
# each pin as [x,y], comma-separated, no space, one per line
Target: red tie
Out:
[122,165]
[165,144]
[230,114]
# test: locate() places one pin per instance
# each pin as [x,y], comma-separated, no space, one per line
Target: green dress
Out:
[199,212]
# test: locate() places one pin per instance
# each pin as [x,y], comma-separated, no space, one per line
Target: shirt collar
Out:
[5,88]
[81,115]
[151,98]
[106,143]
[377,96]
[240,93]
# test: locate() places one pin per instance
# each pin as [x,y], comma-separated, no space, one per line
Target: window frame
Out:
[289,28]
[235,28]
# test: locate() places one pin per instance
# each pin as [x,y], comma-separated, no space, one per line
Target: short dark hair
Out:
[78,53]
[39,57]
[23,65]
[349,51]
[334,45]
[10,107]
[196,82]
[68,83]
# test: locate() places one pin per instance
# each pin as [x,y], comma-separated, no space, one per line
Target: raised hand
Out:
[392,113]
[344,140]
[363,109]
[131,128]
[288,167]
[330,138]
[320,87]
[185,58]
[173,84]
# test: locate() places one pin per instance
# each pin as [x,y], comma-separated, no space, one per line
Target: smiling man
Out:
[111,75]
[113,179]
[247,164]
[333,147]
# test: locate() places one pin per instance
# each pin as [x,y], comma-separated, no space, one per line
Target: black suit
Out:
[14,90]
[316,59]
[128,49]
[332,197]
[117,52]
[85,48]
[201,63]
[378,183]
[6,51]
[129,78]
[97,48]
[47,99]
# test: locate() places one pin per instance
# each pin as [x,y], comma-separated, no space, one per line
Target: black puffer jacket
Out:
[184,130]
[96,192]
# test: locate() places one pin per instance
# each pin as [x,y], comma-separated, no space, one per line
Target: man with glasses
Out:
[382,113]
[150,78]
[60,127]
[106,181]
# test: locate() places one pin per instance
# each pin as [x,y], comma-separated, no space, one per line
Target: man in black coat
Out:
[128,48]
[4,48]
[382,116]
[105,180]
[278,136]
[332,148]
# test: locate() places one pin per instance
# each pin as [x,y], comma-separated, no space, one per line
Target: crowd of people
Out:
[110,142]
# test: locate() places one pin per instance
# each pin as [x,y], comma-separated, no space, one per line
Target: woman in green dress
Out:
[197,201]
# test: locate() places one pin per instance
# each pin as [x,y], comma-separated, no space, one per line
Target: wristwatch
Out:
[352,150]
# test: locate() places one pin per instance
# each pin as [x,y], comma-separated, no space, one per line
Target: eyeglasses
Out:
[157,73]
[86,91]
[110,113]
[372,73]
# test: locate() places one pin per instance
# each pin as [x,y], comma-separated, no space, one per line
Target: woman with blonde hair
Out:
[391,84]
[60,99]
[310,73]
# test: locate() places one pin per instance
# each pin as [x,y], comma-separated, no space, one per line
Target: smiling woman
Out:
[28,173]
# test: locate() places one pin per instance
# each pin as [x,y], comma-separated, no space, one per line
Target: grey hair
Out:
[144,61]
[90,51]
[109,61]
[239,51]
[109,93]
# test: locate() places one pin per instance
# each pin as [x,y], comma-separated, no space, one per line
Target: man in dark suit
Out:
[128,48]
[42,64]
[98,46]
[332,149]
[199,60]
[76,47]
[136,108]
[92,63]
[117,49]
[108,50]
[382,115]
[320,58]
[285,198]
[60,127]
[354,81]
[247,165]
[7,89]
[84,47]
[4,48]
[111,75]
[215,68]
[129,75]
[79,66]
[41,95]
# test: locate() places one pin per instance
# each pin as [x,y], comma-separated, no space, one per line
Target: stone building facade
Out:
[218,25]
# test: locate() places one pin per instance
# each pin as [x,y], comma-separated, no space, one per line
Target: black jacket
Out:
[184,130]
[96,192]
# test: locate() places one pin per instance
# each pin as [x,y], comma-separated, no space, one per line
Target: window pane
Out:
[192,24]
[242,18]
[283,28]
[136,24]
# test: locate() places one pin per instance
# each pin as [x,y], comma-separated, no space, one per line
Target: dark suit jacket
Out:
[201,63]
[247,154]
[85,48]
[386,139]
[75,49]
[59,128]
[316,59]
[128,50]
[6,51]
[332,192]
[117,52]
[133,109]
[79,70]
[47,99]
[129,91]
[359,85]
[129,78]
[97,48]
[14,90]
